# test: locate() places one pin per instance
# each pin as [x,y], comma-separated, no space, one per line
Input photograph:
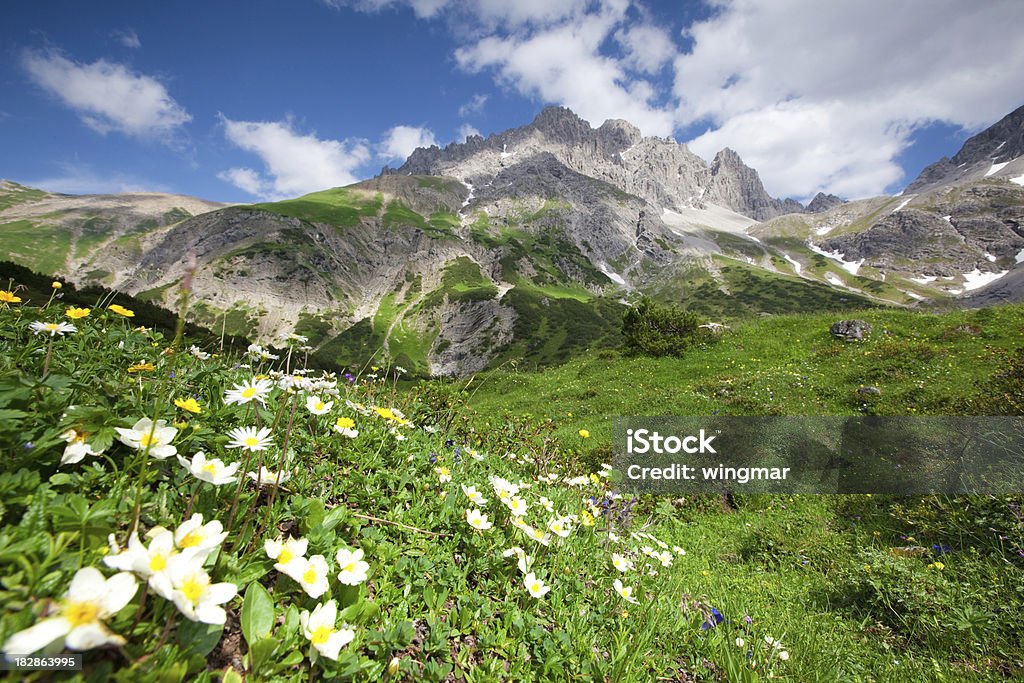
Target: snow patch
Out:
[614,277]
[797,266]
[999,147]
[990,257]
[1020,256]
[904,203]
[505,154]
[1019,180]
[823,230]
[976,278]
[924,279]
[850,266]
[996,168]
[947,219]
[833,279]
[914,295]
[470,196]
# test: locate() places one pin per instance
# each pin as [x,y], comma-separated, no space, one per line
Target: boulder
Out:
[850,330]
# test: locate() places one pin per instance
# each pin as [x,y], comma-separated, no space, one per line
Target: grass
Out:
[339,207]
[42,248]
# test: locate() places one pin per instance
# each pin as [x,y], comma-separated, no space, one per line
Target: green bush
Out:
[654,330]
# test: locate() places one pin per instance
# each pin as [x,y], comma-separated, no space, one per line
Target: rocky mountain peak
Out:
[823,202]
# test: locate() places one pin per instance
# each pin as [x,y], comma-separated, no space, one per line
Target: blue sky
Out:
[246,101]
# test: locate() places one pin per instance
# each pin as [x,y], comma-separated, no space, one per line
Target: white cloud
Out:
[647,48]
[79,178]
[294,163]
[824,96]
[465,130]
[425,9]
[127,37]
[486,14]
[474,106]
[108,96]
[564,65]
[400,141]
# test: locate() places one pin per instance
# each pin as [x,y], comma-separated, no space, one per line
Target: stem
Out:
[281,464]
[49,353]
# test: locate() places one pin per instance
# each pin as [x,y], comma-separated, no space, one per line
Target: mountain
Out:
[523,248]
[996,151]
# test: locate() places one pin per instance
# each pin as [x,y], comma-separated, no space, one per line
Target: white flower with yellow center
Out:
[311,574]
[212,471]
[194,594]
[547,504]
[52,329]
[147,562]
[478,520]
[516,505]
[269,477]
[346,426]
[621,562]
[560,526]
[473,495]
[535,586]
[256,389]
[524,560]
[625,592]
[145,434]
[444,475]
[503,488]
[665,557]
[320,628]
[286,552]
[317,406]
[251,439]
[539,535]
[90,600]
[353,568]
[201,539]
[77,448]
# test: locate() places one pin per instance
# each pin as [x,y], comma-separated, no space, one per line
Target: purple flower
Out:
[714,620]
[746,618]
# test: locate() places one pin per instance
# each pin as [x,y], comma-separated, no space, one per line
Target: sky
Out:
[242,102]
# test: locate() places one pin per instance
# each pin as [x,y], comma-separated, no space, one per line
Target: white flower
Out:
[157,437]
[52,329]
[665,557]
[626,592]
[547,504]
[784,656]
[478,520]
[194,594]
[524,560]
[346,427]
[353,568]
[622,563]
[473,495]
[535,586]
[560,526]
[77,448]
[286,552]
[321,629]
[89,601]
[740,642]
[503,488]
[250,390]
[149,563]
[212,471]
[201,538]
[249,438]
[317,406]
[268,477]
[198,353]
[614,537]
[310,573]
[444,475]
[678,551]
[516,505]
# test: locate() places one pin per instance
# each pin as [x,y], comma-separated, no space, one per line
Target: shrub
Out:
[654,330]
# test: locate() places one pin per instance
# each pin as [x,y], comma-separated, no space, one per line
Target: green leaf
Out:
[261,651]
[60,478]
[291,620]
[198,638]
[257,613]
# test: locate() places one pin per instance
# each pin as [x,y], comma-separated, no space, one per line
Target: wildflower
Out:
[678,551]
[310,573]
[286,552]
[547,504]
[194,594]
[621,562]
[584,433]
[516,505]
[320,628]
[713,620]
[250,438]
[937,565]
[141,366]
[478,520]
[473,495]
[269,477]
[586,519]
[625,592]
[53,329]
[77,448]
[535,586]
[90,600]
[145,434]
[503,488]
[201,539]
[188,404]
[251,390]
[316,406]
[444,475]
[784,656]
[257,352]
[147,562]
[7,297]
[353,568]
[540,536]
[212,471]
[121,310]
[77,313]
[56,284]
[560,526]
[346,427]
[740,642]
[524,560]
[198,353]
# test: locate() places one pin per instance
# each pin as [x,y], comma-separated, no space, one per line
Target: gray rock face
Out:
[823,202]
[1003,142]
[850,330]
[470,333]
[662,172]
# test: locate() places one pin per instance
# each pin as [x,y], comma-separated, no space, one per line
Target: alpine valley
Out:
[527,246]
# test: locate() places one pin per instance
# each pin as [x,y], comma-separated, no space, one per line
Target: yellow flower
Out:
[937,565]
[142,367]
[121,310]
[76,313]
[56,285]
[9,297]
[189,404]
[345,423]
[584,433]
